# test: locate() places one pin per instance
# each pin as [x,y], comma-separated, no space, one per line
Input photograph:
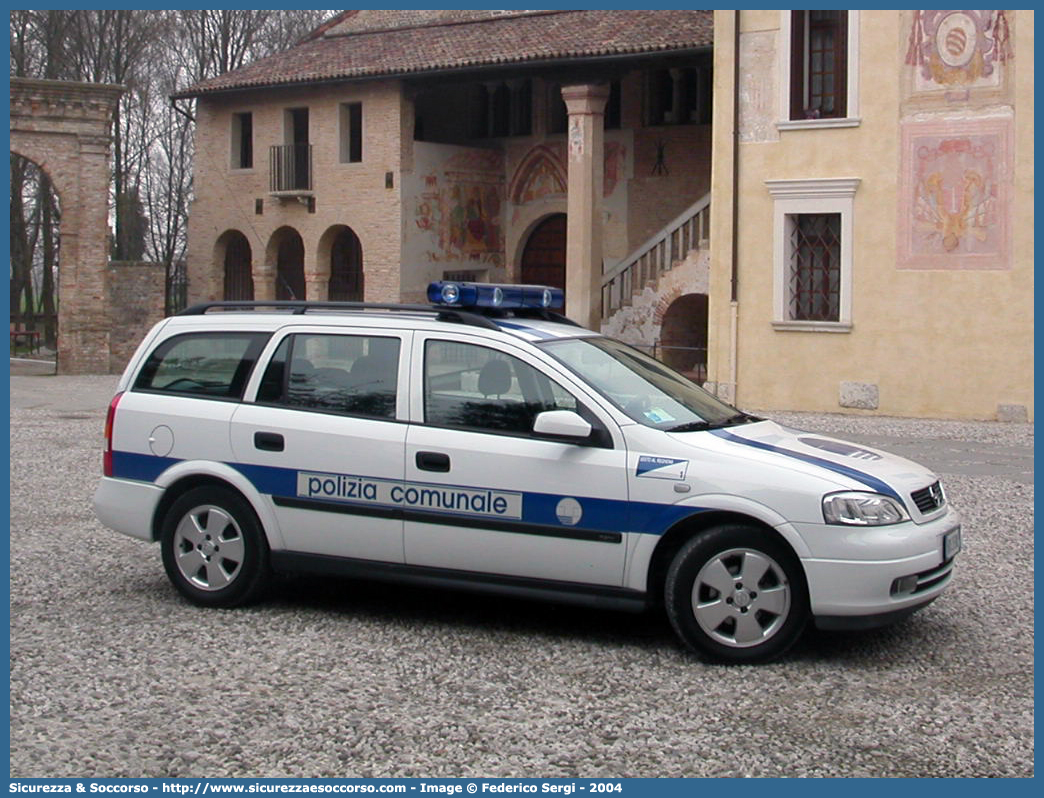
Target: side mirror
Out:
[561,424]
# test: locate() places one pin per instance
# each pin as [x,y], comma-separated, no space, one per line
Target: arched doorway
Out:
[290,277]
[238,278]
[544,256]
[683,336]
[346,267]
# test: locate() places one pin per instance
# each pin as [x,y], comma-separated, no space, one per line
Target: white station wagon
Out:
[485,442]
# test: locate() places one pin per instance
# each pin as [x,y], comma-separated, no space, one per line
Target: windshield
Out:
[643,388]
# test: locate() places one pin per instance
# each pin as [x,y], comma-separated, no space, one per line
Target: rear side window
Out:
[352,374]
[214,365]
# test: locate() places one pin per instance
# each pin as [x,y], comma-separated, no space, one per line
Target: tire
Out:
[214,550]
[737,594]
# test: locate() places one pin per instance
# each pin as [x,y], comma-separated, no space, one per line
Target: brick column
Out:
[264,282]
[317,270]
[83,280]
[585,105]
[317,287]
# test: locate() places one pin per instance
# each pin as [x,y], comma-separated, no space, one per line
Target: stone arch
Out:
[683,336]
[234,260]
[284,264]
[340,260]
[64,128]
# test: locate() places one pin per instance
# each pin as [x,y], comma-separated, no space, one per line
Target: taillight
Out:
[110,419]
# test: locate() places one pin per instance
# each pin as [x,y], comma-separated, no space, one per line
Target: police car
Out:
[486,442]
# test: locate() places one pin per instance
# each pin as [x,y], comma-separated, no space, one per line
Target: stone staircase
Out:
[643,268]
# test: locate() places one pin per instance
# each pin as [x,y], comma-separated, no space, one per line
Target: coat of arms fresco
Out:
[958,50]
[956,194]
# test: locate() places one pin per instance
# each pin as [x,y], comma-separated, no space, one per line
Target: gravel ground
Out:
[113,675]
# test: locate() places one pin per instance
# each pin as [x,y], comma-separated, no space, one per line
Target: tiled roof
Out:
[362,45]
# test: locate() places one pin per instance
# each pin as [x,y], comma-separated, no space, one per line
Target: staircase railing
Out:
[654,257]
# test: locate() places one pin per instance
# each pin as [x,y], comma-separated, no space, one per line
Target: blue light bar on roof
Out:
[489,295]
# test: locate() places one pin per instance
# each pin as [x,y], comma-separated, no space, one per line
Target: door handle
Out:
[433,461]
[268,441]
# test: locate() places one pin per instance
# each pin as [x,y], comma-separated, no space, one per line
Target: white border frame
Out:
[821,195]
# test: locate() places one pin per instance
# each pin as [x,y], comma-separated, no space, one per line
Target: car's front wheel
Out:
[214,550]
[737,594]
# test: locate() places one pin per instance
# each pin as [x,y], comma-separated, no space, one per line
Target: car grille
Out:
[929,499]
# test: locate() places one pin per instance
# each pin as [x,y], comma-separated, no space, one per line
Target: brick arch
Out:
[340,264]
[46,157]
[285,265]
[233,258]
[64,128]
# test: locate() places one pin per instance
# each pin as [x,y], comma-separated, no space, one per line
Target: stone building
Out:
[840,269]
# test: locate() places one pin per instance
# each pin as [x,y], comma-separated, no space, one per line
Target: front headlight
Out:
[854,508]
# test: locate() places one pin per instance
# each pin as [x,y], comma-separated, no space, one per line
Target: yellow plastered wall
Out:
[943,343]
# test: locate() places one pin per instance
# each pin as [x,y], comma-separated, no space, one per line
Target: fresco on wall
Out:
[542,172]
[956,189]
[958,50]
[460,206]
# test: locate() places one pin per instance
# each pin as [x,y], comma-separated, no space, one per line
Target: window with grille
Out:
[819,64]
[814,274]
[812,253]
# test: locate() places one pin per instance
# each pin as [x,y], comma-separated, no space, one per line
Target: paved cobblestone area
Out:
[113,675]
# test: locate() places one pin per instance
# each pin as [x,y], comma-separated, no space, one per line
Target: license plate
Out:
[951,544]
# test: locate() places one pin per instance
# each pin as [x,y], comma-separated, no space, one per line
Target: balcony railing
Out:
[290,168]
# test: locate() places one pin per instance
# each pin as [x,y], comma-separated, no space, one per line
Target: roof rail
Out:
[299,307]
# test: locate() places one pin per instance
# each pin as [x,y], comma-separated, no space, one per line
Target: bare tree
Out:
[38,47]
[218,41]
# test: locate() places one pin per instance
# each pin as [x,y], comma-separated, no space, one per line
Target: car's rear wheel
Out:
[736,593]
[214,550]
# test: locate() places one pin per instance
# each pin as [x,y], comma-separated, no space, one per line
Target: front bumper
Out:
[857,589]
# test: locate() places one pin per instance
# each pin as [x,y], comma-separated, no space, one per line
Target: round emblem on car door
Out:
[569,512]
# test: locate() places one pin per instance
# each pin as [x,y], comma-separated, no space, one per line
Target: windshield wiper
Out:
[731,421]
[739,418]
[692,426]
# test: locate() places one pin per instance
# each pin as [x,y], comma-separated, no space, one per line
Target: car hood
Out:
[871,468]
